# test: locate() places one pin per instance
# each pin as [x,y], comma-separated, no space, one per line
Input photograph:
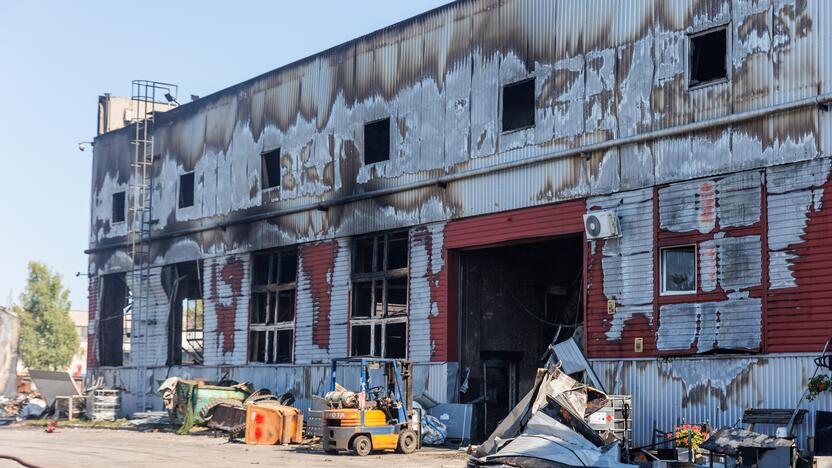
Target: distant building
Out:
[9,334]
[78,367]
[116,112]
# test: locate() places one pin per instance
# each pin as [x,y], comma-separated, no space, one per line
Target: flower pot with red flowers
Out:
[688,438]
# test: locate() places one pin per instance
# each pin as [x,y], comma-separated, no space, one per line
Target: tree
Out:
[48,339]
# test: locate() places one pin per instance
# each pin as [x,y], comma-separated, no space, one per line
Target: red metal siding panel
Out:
[318,262]
[799,319]
[529,223]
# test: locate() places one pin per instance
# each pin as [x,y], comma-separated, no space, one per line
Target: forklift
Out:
[385,421]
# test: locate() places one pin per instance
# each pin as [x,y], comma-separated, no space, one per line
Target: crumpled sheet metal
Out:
[547,439]
[729,440]
[529,435]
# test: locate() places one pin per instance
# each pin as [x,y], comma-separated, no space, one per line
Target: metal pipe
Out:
[444,180]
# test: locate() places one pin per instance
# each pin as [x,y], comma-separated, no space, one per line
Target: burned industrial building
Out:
[421,192]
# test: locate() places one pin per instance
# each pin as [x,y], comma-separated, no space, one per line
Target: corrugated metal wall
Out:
[715,390]
[226,293]
[621,269]
[800,256]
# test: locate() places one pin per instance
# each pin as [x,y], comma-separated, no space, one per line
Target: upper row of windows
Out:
[707,63]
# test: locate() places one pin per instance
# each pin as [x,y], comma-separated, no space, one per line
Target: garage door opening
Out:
[515,301]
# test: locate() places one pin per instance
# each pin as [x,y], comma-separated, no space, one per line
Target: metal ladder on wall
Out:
[146,98]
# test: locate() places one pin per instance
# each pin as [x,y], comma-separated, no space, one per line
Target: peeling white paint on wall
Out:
[795,191]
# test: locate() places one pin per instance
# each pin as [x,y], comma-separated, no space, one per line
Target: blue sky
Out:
[57,57]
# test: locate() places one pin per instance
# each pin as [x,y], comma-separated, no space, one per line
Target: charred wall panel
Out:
[322,302]
[428,315]
[608,71]
[227,290]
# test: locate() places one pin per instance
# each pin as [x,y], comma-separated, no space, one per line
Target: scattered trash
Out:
[433,431]
[50,428]
[33,409]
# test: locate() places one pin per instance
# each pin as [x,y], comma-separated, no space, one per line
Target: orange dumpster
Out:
[268,423]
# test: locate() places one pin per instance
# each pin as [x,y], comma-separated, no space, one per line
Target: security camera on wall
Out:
[601,225]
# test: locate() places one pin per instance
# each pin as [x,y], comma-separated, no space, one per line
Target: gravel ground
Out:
[108,447]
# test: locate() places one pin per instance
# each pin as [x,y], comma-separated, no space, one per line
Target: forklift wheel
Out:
[362,445]
[407,441]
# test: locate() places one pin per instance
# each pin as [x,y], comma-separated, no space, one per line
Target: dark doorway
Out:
[114,324]
[515,301]
[183,284]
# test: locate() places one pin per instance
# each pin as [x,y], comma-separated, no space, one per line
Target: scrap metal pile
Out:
[234,408]
[550,427]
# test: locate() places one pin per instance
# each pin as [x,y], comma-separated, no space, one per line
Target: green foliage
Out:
[48,339]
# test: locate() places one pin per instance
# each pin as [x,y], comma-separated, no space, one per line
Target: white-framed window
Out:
[273,297]
[378,316]
[678,270]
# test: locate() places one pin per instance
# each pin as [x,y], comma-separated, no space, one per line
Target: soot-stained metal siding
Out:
[604,70]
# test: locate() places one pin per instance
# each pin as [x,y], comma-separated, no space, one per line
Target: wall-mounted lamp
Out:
[83,145]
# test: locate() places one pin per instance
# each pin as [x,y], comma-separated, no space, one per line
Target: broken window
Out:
[118,207]
[678,270]
[114,323]
[518,105]
[379,296]
[708,57]
[186,190]
[186,318]
[270,168]
[377,141]
[272,320]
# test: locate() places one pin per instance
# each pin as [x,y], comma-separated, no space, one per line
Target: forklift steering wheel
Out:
[376,391]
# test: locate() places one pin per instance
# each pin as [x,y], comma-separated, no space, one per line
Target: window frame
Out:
[271,292]
[384,276]
[662,268]
[726,27]
[503,130]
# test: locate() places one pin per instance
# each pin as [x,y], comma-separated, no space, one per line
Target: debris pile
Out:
[23,406]
[234,408]
[549,426]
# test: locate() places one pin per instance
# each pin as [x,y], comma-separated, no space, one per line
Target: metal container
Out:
[103,405]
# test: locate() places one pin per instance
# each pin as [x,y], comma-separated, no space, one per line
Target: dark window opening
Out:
[115,322]
[379,295]
[395,340]
[377,141]
[270,168]
[361,340]
[518,105]
[118,207]
[186,318]
[272,319]
[708,56]
[186,190]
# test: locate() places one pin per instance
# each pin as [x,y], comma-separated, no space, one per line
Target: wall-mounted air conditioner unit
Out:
[601,225]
